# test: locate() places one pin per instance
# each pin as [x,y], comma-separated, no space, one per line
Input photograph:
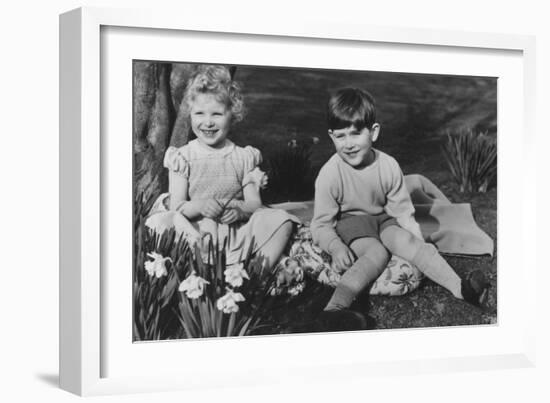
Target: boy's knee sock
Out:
[363,272]
[431,263]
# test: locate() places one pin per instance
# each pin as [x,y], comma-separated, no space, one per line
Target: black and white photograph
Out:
[274,200]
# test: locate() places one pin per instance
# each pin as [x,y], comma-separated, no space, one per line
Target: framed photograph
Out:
[213,187]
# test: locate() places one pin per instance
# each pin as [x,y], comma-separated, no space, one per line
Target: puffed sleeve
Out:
[175,161]
[252,158]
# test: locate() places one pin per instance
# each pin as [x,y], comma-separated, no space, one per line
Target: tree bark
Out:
[153,119]
[180,75]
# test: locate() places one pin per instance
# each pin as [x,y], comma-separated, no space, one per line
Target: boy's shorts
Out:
[351,227]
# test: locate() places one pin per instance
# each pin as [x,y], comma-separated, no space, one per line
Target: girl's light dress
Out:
[220,174]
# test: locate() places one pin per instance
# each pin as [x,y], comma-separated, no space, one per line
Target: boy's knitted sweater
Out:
[374,189]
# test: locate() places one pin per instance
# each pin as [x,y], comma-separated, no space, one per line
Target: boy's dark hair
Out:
[351,107]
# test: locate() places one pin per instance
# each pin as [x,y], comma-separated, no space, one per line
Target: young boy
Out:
[363,214]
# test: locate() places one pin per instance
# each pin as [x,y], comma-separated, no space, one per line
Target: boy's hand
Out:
[211,209]
[342,256]
[232,215]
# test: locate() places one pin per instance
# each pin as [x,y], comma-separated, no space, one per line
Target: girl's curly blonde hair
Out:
[216,80]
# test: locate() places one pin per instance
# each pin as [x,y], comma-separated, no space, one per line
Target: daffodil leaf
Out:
[245,327]
[219,323]
[231,324]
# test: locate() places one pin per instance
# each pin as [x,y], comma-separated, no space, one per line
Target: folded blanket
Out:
[450,226]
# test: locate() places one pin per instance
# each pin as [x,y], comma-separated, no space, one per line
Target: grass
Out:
[415,112]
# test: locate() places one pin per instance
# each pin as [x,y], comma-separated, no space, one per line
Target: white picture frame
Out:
[83,161]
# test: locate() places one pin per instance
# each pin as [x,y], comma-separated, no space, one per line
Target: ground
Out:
[415,112]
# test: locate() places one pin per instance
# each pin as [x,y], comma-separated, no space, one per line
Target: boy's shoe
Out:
[342,320]
[474,288]
[335,321]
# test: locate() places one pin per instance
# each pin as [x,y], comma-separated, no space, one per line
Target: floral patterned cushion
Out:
[399,277]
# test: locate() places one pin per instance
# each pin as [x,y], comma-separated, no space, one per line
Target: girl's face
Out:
[210,120]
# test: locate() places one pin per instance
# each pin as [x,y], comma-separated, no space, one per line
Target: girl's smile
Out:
[210,120]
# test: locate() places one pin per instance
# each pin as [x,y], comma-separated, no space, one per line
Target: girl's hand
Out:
[232,215]
[342,256]
[211,209]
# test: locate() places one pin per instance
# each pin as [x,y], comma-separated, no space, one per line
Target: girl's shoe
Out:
[474,288]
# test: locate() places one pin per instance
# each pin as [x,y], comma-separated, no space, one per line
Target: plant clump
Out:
[472,160]
[188,291]
[291,176]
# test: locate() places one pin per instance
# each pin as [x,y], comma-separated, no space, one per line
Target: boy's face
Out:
[354,145]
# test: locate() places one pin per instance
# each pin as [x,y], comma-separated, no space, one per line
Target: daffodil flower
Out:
[157,267]
[235,275]
[193,286]
[228,303]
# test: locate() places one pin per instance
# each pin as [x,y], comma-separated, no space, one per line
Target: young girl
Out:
[215,184]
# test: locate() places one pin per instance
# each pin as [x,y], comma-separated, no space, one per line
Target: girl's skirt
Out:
[240,238]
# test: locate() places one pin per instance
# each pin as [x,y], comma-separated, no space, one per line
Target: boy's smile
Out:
[210,120]
[353,145]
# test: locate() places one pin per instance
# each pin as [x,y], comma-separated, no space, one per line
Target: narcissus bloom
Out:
[228,303]
[157,267]
[193,286]
[235,275]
